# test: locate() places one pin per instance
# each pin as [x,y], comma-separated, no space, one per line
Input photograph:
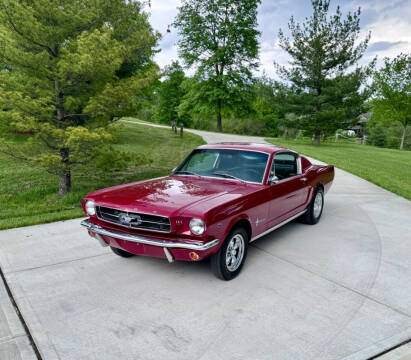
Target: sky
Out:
[388,20]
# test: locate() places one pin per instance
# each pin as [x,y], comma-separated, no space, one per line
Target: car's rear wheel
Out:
[227,263]
[120,252]
[315,208]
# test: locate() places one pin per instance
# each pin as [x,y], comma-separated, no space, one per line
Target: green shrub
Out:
[378,136]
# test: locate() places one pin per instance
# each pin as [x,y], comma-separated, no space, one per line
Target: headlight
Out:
[197,226]
[90,208]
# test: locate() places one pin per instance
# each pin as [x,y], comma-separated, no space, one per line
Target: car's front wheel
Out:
[227,263]
[120,252]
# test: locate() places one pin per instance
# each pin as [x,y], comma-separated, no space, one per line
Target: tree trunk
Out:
[59,101]
[404,130]
[317,137]
[219,123]
[65,182]
[65,173]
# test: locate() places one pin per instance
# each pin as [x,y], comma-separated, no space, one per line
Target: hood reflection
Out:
[164,195]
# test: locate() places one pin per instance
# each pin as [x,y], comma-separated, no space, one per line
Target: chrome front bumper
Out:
[198,246]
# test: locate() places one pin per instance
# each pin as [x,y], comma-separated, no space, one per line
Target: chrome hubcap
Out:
[235,252]
[318,204]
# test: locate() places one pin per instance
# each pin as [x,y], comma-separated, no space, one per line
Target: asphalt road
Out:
[338,290]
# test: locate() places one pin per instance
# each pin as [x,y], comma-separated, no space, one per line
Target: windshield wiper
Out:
[228,176]
[184,172]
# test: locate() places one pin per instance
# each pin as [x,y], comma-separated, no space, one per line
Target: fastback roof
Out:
[268,148]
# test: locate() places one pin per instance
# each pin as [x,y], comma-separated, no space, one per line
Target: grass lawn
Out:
[388,168]
[28,195]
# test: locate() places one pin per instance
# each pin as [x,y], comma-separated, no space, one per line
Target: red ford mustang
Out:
[218,200]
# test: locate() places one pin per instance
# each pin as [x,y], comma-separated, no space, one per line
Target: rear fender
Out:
[326,177]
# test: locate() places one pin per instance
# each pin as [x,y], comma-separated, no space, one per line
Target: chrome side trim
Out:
[148,241]
[278,225]
[299,165]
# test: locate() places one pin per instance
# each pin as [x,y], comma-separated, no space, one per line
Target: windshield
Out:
[225,163]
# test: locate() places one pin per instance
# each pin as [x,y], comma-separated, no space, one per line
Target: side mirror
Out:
[272,179]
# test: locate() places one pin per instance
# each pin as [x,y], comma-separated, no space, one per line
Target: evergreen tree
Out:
[325,93]
[219,37]
[378,136]
[71,67]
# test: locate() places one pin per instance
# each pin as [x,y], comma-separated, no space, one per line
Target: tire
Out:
[315,208]
[227,267]
[120,252]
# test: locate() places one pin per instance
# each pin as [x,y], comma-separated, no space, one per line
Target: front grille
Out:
[134,220]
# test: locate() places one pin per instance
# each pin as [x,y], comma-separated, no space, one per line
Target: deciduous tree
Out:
[170,94]
[393,93]
[268,96]
[219,37]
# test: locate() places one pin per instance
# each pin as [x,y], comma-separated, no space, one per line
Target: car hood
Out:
[168,196]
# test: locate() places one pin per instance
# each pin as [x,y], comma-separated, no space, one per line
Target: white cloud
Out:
[390,29]
[162,14]
[388,20]
[270,52]
[392,25]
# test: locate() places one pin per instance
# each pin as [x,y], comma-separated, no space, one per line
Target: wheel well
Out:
[245,224]
[314,190]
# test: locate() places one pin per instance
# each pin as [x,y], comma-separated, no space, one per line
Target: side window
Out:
[285,165]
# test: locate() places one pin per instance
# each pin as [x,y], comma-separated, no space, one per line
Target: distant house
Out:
[358,128]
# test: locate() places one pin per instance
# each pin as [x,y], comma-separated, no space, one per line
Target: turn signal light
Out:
[194,256]
[91,234]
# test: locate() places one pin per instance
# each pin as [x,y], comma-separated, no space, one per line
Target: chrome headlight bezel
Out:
[90,207]
[197,226]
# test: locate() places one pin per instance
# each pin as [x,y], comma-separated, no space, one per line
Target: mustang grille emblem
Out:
[129,219]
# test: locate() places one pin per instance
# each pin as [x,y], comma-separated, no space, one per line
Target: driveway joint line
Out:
[20,316]
[53,264]
[365,296]
[390,349]
[333,281]
[10,338]
[374,344]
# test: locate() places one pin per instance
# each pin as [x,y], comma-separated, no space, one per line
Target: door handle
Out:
[303,179]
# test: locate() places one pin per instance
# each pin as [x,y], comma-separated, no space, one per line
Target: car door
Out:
[288,189]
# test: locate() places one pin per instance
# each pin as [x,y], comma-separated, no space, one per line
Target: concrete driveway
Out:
[338,290]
